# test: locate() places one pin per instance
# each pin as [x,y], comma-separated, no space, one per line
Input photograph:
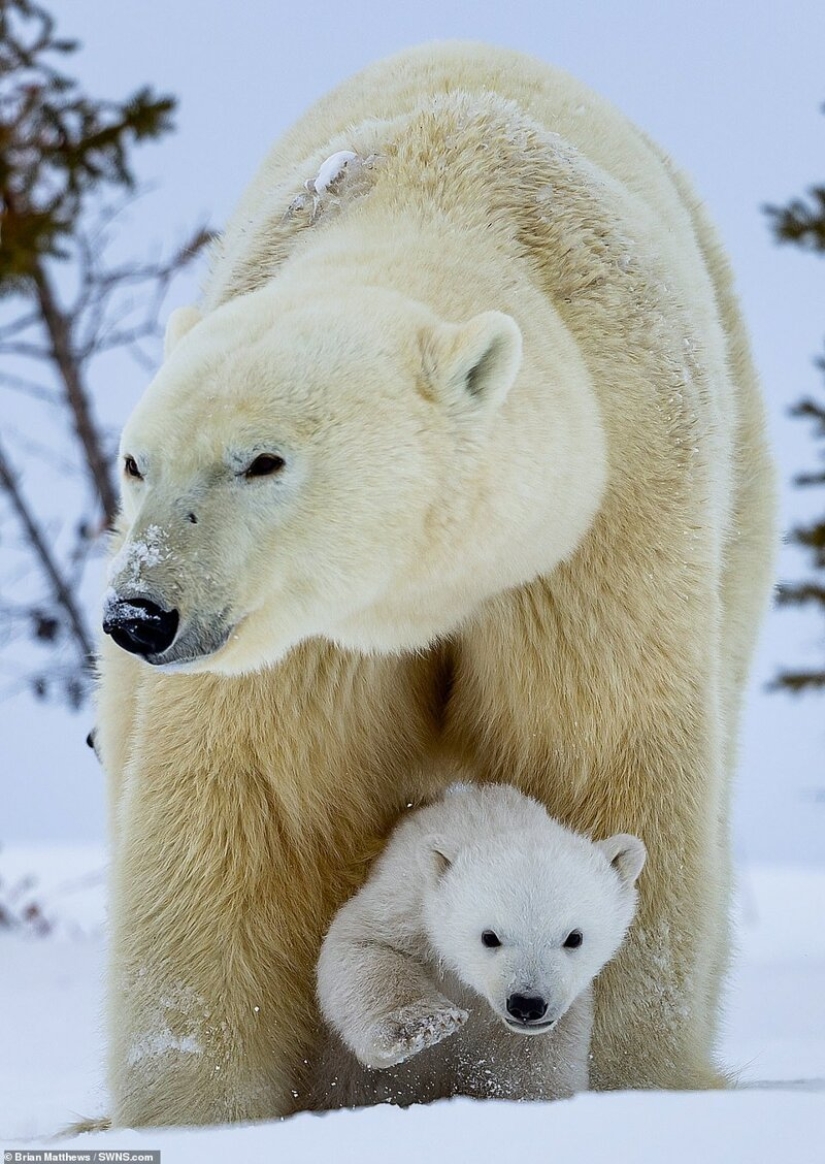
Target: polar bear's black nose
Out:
[526,1008]
[139,626]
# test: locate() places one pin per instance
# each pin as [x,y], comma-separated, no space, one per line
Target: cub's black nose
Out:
[526,1008]
[139,626]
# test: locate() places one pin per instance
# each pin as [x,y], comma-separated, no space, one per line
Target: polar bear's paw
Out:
[412,1028]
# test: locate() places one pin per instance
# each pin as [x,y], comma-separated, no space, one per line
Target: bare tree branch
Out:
[59,330]
[28,445]
[28,387]
[22,323]
[27,351]
[62,594]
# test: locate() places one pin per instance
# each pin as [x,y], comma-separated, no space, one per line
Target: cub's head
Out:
[296,469]
[528,921]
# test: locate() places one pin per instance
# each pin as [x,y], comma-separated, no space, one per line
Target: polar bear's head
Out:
[299,467]
[528,920]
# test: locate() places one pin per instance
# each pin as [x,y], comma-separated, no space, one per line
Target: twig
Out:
[59,331]
[61,591]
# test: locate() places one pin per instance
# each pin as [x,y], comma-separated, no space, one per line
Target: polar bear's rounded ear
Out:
[626,853]
[182,320]
[441,863]
[474,362]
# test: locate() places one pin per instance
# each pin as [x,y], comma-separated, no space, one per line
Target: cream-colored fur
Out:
[525,520]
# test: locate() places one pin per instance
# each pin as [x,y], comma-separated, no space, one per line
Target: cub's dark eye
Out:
[265,466]
[130,468]
[573,940]
[490,940]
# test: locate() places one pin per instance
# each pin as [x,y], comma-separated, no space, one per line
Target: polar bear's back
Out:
[550,96]
[657,201]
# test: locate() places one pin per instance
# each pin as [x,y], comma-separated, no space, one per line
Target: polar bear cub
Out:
[465,964]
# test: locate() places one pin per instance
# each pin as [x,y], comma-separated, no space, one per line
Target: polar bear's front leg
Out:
[380,1000]
[195,1036]
[179,1056]
[657,1002]
[210,1018]
[406,1031]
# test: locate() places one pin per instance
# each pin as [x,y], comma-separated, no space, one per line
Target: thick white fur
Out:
[502,361]
[419,1004]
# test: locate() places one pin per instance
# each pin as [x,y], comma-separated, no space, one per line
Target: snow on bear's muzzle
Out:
[157,611]
[158,634]
[139,626]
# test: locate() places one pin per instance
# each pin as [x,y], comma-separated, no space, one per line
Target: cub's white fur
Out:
[421,1006]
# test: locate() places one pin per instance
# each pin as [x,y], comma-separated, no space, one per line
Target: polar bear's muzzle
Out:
[159,635]
[139,626]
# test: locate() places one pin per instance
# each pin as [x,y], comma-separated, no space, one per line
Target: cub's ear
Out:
[473,363]
[182,320]
[441,863]
[626,854]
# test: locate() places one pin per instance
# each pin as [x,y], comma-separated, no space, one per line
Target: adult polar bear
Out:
[464,460]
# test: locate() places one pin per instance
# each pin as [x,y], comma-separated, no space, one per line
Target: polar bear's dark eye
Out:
[130,468]
[573,940]
[489,939]
[265,465]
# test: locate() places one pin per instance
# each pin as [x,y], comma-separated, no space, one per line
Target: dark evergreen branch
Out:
[797,681]
[800,222]
[799,593]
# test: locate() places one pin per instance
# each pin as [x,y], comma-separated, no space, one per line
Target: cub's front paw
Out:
[413,1028]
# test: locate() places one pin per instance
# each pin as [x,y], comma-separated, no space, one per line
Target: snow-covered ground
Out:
[51,1053]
